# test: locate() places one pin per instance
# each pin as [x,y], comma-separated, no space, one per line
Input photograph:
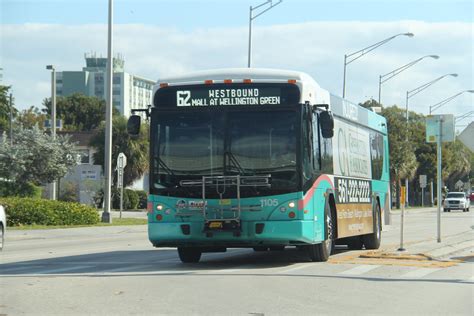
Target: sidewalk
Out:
[417,209]
[430,248]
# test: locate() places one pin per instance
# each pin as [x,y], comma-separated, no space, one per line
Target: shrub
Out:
[28,211]
[142,199]
[68,192]
[26,190]
[132,199]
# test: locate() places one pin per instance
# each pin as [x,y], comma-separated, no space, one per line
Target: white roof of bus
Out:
[310,89]
[256,74]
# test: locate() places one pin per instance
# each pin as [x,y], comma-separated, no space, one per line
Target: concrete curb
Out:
[429,249]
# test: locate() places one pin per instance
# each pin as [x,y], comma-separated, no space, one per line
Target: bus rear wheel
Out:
[189,254]
[320,252]
[372,241]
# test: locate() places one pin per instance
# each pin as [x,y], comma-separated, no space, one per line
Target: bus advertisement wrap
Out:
[352,151]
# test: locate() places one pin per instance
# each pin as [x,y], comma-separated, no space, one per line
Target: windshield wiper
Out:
[162,164]
[233,161]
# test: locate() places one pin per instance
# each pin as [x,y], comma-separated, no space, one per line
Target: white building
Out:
[128,91]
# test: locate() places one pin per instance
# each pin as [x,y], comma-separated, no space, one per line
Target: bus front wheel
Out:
[189,254]
[372,241]
[320,252]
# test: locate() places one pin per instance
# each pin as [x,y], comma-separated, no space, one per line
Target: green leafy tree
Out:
[370,104]
[35,158]
[403,162]
[136,149]
[79,112]
[30,118]
[456,163]
[5,109]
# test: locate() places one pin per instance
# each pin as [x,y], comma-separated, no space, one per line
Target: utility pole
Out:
[251,18]
[11,120]
[53,119]
[108,122]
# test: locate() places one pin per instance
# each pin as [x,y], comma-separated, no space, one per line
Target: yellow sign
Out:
[215,225]
[225,202]
[403,195]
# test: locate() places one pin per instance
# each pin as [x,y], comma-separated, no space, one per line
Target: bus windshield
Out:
[189,145]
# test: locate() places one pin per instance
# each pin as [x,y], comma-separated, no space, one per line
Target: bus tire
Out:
[355,243]
[189,254]
[321,252]
[372,241]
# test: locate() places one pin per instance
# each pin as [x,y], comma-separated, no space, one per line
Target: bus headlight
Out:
[292,204]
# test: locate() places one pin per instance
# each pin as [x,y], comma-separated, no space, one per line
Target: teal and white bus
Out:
[264,159]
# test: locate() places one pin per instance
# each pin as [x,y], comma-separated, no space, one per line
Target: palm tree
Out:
[136,149]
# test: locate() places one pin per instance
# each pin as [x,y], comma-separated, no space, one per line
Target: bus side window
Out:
[316,143]
[307,146]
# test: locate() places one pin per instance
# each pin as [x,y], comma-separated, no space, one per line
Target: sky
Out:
[165,38]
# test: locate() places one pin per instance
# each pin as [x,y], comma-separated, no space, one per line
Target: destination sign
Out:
[228,95]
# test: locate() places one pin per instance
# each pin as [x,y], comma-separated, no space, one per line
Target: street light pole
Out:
[358,54]
[393,73]
[53,119]
[441,103]
[108,122]
[410,94]
[11,120]
[251,18]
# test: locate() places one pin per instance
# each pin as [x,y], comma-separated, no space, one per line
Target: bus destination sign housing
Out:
[256,94]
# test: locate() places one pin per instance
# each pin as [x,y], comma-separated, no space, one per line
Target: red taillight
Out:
[292,215]
[291,81]
[227,80]
[208,81]
[159,217]
[247,80]
[163,85]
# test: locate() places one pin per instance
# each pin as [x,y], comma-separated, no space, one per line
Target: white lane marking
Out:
[57,270]
[293,268]
[418,273]
[359,270]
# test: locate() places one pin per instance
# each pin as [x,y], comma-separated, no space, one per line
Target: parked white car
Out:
[456,201]
[3,226]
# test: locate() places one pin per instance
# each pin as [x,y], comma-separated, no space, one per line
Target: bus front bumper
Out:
[250,234]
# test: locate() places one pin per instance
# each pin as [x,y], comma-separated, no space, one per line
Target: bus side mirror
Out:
[133,125]
[326,121]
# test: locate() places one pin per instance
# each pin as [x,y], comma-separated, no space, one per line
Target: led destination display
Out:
[228,95]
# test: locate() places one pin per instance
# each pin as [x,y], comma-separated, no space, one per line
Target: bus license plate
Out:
[215,225]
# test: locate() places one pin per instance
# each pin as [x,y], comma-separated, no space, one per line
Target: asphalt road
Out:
[115,271]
